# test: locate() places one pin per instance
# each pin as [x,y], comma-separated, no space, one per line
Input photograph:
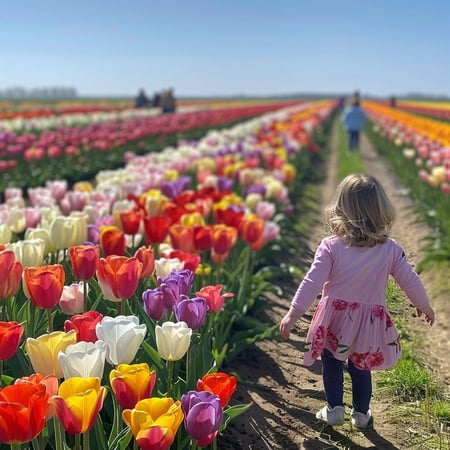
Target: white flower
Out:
[83,359]
[122,335]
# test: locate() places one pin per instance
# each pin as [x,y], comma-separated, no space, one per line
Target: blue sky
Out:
[204,48]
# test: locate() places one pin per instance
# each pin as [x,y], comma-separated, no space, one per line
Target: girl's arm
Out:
[289,320]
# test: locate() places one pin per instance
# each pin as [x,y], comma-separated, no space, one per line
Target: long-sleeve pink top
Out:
[358,274]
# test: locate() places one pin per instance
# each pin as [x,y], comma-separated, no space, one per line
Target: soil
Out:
[285,395]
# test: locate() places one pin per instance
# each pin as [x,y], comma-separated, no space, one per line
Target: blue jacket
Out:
[353,118]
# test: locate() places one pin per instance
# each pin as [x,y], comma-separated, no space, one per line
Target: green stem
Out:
[50,320]
[77,442]
[120,308]
[1,373]
[170,367]
[86,440]
[85,297]
[59,434]
[16,446]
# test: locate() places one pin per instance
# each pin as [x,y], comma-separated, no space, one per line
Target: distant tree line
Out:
[43,93]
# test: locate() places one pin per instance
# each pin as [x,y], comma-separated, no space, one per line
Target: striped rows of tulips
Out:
[28,110]
[66,150]
[418,149]
[439,110]
[119,297]
[426,141]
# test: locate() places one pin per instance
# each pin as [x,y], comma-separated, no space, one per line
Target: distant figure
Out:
[393,102]
[167,101]
[353,119]
[156,100]
[141,100]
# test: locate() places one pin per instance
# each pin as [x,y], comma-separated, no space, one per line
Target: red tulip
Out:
[84,259]
[118,277]
[10,335]
[203,238]
[44,285]
[23,407]
[84,325]
[218,383]
[130,221]
[156,229]
[112,241]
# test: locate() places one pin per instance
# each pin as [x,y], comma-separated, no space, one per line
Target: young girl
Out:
[351,322]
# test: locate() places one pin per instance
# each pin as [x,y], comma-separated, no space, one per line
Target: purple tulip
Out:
[154,304]
[224,184]
[176,284]
[172,188]
[203,414]
[192,311]
[256,189]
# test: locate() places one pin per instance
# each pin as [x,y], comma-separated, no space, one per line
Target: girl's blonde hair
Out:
[360,212]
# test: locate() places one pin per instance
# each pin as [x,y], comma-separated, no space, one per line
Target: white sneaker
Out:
[334,416]
[361,420]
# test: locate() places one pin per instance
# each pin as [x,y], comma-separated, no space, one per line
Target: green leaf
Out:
[153,355]
[232,412]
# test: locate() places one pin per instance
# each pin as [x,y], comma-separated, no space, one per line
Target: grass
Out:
[347,162]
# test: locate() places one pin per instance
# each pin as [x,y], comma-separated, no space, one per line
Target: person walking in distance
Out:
[353,119]
[351,268]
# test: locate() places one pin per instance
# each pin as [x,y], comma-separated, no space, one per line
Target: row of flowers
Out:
[66,150]
[439,110]
[132,286]
[29,110]
[424,140]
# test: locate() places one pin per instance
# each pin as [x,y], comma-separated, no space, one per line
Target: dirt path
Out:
[285,394]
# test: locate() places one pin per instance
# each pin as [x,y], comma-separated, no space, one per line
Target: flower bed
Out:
[134,288]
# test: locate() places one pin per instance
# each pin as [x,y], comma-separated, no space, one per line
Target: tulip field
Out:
[418,147]
[128,268]
[134,245]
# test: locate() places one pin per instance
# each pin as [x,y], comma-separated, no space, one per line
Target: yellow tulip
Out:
[78,403]
[43,351]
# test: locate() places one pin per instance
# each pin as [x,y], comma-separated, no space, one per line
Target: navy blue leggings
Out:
[353,140]
[333,382]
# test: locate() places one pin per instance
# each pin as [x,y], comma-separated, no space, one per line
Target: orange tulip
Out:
[156,229]
[218,383]
[118,277]
[146,255]
[10,274]
[112,241]
[44,285]
[223,238]
[10,335]
[251,231]
[182,237]
[23,408]
[84,259]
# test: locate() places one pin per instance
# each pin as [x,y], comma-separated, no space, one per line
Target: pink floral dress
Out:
[351,319]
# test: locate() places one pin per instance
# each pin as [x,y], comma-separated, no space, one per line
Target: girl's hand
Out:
[429,314]
[289,321]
